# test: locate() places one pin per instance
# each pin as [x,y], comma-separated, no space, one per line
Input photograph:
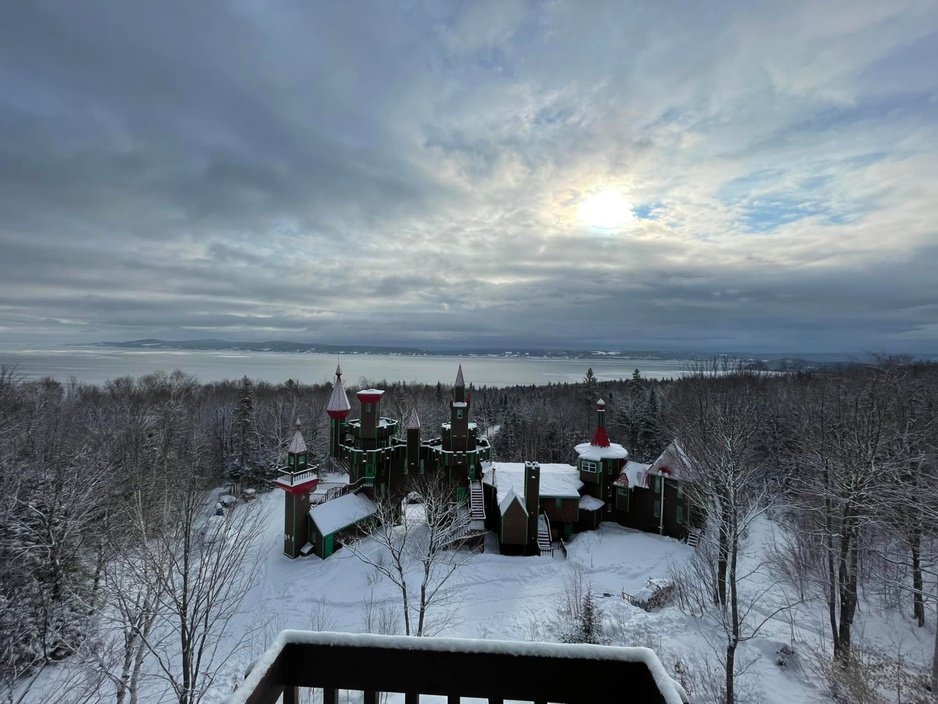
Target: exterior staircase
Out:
[476,505]
[693,538]
[544,544]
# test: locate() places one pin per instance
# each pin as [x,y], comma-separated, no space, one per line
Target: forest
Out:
[104,492]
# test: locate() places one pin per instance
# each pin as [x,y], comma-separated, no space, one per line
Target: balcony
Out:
[287,478]
[453,668]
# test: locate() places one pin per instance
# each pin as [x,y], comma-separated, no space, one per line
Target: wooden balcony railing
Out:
[453,668]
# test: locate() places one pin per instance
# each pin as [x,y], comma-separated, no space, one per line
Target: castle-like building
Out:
[529,505]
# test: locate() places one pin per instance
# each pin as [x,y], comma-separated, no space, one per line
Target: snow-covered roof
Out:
[298,444]
[588,451]
[590,503]
[633,475]
[459,404]
[414,422]
[338,401]
[558,481]
[672,463]
[506,500]
[459,379]
[342,512]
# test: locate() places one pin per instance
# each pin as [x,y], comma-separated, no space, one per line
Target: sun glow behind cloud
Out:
[606,210]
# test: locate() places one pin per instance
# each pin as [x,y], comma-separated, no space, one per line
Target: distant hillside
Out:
[268,346]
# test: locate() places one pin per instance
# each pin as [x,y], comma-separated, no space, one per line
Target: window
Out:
[291,459]
[657,485]
[680,492]
[459,413]
[657,509]
[680,514]
[367,408]
[588,466]
[558,503]
[302,459]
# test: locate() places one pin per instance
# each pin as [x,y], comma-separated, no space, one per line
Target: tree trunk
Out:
[723,553]
[831,574]
[934,663]
[918,603]
[848,587]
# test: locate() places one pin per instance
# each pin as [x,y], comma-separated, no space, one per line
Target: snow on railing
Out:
[288,478]
[449,667]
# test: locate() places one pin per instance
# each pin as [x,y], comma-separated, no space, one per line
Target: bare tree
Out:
[201,568]
[841,482]
[717,415]
[419,551]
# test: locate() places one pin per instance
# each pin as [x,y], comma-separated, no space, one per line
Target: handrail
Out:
[535,672]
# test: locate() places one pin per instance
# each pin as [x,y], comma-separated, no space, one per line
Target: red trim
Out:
[339,414]
[600,439]
[299,488]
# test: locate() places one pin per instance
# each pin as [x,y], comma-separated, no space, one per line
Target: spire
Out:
[600,438]
[339,406]
[414,422]
[298,444]
[460,382]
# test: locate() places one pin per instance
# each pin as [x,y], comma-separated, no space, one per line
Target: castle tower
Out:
[297,480]
[459,415]
[337,409]
[532,497]
[413,443]
[370,416]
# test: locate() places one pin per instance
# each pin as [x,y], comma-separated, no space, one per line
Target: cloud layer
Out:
[412,173]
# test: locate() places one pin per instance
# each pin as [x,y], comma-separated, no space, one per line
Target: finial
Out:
[338,370]
[298,424]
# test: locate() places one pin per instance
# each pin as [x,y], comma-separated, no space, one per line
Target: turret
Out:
[459,414]
[600,438]
[297,480]
[370,416]
[413,442]
[337,409]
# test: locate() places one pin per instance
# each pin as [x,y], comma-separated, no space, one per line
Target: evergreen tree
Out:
[245,463]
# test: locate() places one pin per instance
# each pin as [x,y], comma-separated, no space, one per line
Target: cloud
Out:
[412,172]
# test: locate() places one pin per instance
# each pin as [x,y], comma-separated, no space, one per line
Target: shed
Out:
[334,516]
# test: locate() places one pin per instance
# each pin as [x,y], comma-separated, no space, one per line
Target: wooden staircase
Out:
[544,544]
[476,505]
[693,538]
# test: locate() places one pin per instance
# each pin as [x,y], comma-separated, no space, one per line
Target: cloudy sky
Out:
[666,175]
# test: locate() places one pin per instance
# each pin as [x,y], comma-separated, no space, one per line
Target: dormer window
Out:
[588,466]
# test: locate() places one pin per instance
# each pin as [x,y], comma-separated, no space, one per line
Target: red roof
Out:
[600,439]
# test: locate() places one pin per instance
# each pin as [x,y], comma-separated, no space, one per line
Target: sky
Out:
[644,175]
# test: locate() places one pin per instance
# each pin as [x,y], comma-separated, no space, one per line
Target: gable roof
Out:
[557,481]
[510,498]
[672,463]
[342,512]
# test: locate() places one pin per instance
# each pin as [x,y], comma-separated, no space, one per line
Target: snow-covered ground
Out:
[509,598]
[517,598]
